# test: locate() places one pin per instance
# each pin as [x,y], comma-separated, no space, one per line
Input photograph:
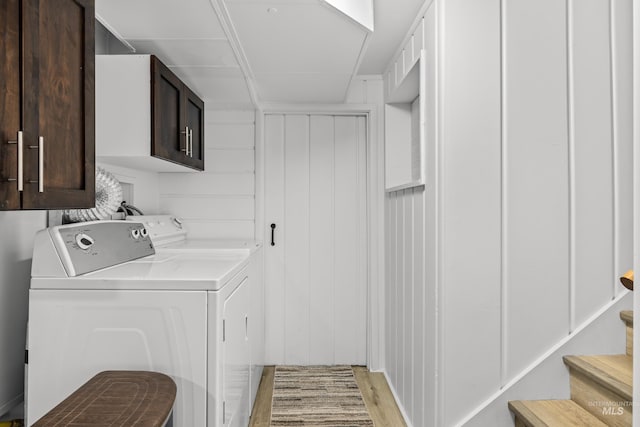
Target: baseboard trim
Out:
[542,358]
[397,398]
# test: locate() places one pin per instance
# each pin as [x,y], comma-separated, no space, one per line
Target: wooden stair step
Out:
[602,386]
[552,413]
[612,372]
[627,317]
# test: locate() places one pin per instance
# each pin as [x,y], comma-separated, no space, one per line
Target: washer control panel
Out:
[90,246]
[162,229]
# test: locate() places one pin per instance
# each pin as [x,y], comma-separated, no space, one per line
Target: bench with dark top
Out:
[116,399]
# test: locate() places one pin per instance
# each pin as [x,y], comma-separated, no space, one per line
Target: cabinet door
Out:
[168,135]
[59,104]
[9,103]
[194,120]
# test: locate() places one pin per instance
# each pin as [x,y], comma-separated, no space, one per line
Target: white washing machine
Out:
[102,298]
[169,235]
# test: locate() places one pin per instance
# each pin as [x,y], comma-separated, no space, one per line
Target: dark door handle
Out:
[273,228]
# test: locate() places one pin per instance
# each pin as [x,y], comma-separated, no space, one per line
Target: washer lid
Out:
[166,271]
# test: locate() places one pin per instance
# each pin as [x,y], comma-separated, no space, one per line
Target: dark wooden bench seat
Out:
[116,399]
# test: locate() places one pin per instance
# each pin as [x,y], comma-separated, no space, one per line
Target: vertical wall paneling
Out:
[592,180]
[504,296]
[537,169]
[274,255]
[622,112]
[411,241]
[431,237]
[402,361]
[322,226]
[315,186]
[526,218]
[346,252]
[407,311]
[391,359]
[470,203]
[417,310]
[296,239]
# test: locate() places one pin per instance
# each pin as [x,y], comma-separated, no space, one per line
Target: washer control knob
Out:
[177,223]
[84,241]
[135,233]
[144,232]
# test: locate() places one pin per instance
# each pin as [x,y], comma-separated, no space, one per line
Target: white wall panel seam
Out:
[572,168]
[504,320]
[615,194]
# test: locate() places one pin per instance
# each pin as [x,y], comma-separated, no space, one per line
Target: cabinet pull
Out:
[185,132]
[40,148]
[20,145]
[190,142]
[41,164]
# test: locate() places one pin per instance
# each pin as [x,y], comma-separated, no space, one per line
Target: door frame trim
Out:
[636,202]
[375,206]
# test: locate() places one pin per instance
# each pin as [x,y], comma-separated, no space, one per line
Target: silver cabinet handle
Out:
[20,161]
[41,164]
[40,148]
[186,141]
[190,142]
[20,145]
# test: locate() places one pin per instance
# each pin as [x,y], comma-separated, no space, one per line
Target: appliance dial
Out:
[135,233]
[84,241]
[144,233]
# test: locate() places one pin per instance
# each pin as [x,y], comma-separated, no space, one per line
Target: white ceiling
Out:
[236,53]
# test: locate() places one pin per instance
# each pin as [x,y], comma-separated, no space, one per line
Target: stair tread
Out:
[553,413]
[627,316]
[614,372]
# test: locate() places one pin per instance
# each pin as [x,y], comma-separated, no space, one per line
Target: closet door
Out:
[315,266]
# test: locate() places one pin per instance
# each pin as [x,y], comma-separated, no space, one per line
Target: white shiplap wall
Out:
[525,221]
[219,202]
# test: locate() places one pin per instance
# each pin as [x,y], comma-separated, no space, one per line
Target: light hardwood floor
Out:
[373,386]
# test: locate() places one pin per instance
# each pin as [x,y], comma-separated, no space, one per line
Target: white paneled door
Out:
[315,239]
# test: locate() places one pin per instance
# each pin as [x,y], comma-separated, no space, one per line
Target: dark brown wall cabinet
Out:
[147,117]
[47,154]
[177,117]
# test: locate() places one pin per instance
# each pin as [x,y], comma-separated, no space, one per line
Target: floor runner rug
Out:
[317,396]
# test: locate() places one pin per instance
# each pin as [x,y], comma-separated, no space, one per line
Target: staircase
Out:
[601,393]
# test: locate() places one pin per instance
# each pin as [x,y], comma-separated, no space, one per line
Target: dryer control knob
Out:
[84,241]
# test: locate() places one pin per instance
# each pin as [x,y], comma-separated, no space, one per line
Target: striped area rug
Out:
[317,396]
